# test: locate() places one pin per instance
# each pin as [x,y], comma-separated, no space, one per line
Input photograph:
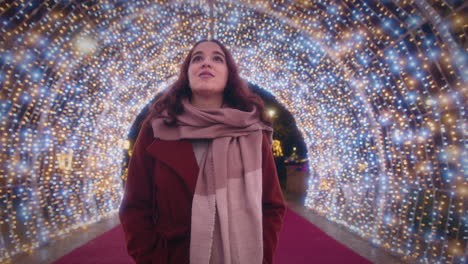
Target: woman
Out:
[202,185]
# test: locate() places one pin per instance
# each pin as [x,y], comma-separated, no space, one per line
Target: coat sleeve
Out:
[273,204]
[135,211]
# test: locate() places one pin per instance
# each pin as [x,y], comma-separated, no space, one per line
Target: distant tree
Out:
[284,125]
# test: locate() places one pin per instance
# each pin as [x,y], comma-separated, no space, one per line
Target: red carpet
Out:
[108,248]
[303,243]
[300,243]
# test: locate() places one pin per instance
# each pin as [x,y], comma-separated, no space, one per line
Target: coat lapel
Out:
[179,156]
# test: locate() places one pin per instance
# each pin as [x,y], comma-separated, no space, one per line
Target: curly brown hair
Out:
[237,93]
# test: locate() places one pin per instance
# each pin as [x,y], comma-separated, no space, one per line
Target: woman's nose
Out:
[206,63]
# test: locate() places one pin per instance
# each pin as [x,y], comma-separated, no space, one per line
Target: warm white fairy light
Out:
[376,89]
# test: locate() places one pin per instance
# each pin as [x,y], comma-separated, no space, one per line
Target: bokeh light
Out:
[378,89]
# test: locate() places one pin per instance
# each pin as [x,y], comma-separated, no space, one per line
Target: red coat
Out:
[156,209]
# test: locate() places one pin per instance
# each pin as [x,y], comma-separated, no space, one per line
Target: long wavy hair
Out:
[237,93]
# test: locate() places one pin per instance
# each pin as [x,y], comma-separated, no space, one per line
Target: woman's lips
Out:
[206,75]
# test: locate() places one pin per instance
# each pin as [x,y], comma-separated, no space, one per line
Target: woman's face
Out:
[207,72]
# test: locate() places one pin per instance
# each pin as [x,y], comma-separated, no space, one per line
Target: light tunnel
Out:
[378,90]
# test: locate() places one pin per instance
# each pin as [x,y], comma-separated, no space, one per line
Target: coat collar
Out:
[179,156]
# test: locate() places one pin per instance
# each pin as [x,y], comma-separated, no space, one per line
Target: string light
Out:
[378,90]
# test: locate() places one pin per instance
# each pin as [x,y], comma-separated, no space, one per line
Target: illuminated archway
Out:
[377,89]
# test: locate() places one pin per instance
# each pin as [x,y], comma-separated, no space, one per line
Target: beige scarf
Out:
[230,180]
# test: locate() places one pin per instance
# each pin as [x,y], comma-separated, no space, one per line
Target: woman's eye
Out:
[197,58]
[218,59]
